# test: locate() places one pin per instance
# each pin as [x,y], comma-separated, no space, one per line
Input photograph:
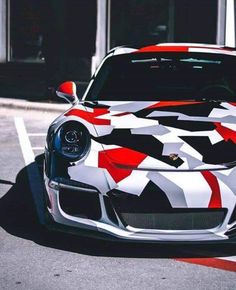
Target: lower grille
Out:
[180,219]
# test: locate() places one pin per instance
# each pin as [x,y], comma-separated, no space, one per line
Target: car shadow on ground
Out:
[18,218]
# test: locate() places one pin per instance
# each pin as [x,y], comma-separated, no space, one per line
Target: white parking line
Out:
[38,148]
[208,255]
[27,151]
[35,180]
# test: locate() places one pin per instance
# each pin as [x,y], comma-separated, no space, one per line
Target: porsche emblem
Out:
[173,156]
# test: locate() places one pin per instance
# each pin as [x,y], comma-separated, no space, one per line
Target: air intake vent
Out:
[80,204]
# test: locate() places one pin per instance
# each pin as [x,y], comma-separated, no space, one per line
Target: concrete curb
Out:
[27,105]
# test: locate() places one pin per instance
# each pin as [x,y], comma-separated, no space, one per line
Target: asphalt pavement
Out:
[33,258]
[43,106]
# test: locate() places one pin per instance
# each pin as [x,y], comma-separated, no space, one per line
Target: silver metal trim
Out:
[76,188]
[57,185]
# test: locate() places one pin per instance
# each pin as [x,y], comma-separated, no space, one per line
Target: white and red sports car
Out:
[149,153]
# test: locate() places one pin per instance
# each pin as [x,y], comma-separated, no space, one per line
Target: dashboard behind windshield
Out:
[165,76]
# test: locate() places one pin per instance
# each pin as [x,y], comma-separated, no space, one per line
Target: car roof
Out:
[176,47]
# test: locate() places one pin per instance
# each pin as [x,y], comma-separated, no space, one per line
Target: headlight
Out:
[72,140]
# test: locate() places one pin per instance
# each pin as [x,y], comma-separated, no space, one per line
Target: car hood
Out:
[165,135]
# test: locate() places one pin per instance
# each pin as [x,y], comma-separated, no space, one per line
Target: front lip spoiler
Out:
[50,224]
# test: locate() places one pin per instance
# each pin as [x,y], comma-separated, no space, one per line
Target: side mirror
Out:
[67,90]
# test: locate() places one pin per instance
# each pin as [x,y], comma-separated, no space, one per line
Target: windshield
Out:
[165,76]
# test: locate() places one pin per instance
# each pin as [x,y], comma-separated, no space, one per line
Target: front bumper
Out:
[106,222]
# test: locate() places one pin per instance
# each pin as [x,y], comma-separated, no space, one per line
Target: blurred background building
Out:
[43,42]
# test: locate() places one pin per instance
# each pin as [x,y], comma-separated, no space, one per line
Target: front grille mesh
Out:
[181,220]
